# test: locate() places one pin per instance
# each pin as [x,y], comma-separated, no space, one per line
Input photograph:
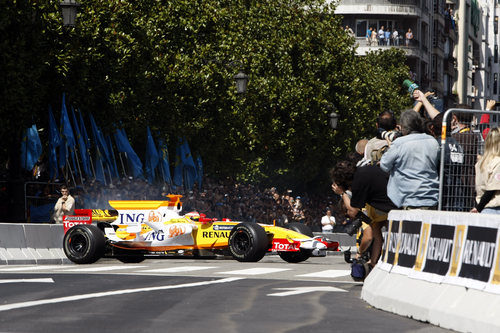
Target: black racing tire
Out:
[248,242]
[84,244]
[131,259]
[295,257]
[300,228]
[302,255]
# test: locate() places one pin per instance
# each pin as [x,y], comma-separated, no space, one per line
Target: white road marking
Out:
[303,290]
[31,268]
[255,271]
[102,268]
[41,280]
[331,273]
[178,269]
[21,305]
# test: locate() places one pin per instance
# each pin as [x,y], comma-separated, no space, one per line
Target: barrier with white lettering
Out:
[446,256]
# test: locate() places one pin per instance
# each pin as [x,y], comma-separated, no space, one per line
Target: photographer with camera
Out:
[368,185]
[412,162]
[377,145]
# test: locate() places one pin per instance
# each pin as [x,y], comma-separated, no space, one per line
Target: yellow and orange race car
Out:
[140,229]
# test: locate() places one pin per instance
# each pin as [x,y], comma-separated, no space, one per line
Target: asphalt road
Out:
[184,295]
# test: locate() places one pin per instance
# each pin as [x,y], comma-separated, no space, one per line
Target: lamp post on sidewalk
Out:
[69,9]
[333,117]
[241,80]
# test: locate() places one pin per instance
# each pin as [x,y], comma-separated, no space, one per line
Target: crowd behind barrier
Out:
[217,199]
[457,189]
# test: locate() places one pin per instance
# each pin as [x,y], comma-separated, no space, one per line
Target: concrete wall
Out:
[31,244]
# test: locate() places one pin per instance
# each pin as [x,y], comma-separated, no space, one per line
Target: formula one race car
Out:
[140,229]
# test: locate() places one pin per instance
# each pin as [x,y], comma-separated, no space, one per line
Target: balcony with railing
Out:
[415,3]
[380,7]
[412,49]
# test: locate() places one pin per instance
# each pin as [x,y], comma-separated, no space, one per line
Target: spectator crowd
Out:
[217,199]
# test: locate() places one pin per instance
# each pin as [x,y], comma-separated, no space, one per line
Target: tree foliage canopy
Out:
[170,65]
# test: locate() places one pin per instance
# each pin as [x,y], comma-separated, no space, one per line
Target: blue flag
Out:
[81,146]
[199,171]
[68,138]
[54,136]
[163,162]
[66,129]
[83,131]
[99,140]
[123,146]
[114,168]
[31,148]
[178,166]
[54,142]
[99,169]
[151,158]
[190,174]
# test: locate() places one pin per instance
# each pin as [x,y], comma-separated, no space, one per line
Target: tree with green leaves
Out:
[170,65]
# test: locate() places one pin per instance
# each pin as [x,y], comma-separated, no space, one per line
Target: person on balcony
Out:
[381,36]
[409,37]
[369,36]
[395,37]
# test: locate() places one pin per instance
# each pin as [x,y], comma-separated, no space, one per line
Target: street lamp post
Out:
[69,9]
[241,80]
[333,116]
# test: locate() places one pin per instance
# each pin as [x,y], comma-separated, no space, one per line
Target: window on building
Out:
[495,54]
[495,83]
[495,25]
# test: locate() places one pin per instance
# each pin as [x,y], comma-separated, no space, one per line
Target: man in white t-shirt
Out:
[64,206]
[328,221]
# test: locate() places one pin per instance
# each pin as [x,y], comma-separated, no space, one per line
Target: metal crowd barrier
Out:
[39,200]
[457,168]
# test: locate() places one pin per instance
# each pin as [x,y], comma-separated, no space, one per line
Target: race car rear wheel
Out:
[131,259]
[300,228]
[302,255]
[84,244]
[248,242]
[128,256]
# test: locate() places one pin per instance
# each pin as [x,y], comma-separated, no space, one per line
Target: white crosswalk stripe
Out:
[31,268]
[331,273]
[255,271]
[179,269]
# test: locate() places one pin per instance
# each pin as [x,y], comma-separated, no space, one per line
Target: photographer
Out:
[65,205]
[377,145]
[412,162]
[368,185]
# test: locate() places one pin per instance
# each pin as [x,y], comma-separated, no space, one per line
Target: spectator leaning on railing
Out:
[488,176]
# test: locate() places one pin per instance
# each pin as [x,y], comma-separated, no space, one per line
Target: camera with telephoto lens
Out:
[352,228]
[382,134]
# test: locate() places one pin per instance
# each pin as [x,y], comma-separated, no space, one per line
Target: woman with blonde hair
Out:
[488,176]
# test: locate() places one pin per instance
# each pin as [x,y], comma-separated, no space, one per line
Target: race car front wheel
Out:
[84,244]
[302,255]
[248,242]
[295,257]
